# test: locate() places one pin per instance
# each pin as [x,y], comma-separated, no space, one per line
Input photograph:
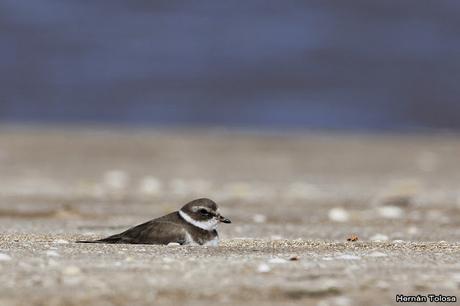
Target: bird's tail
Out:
[111,239]
[86,241]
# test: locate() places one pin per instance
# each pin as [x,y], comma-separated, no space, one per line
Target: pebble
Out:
[348,257]
[338,214]
[71,270]
[258,218]
[116,179]
[263,268]
[412,230]
[51,253]
[379,237]
[173,244]
[391,212]
[150,185]
[4,257]
[382,285]
[277,260]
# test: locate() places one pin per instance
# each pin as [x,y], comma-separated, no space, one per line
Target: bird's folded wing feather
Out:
[153,232]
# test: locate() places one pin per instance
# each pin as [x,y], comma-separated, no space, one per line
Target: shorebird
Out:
[194,224]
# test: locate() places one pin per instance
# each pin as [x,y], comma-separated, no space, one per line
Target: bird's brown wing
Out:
[153,232]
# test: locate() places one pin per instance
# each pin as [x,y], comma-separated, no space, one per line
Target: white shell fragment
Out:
[348,257]
[263,268]
[259,218]
[51,253]
[277,260]
[338,214]
[391,212]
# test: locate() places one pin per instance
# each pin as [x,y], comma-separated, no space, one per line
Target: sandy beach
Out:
[294,199]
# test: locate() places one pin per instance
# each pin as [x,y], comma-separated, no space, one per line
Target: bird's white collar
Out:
[209,225]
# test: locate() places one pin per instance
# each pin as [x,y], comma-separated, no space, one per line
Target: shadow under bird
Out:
[194,224]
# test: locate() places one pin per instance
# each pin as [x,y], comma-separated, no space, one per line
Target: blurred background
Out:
[354,65]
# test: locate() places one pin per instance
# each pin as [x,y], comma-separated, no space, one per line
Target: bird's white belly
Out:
[191,241]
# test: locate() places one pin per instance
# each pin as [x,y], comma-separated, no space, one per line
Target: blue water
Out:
[368,65]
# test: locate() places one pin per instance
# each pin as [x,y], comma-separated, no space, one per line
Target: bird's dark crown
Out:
[201,209]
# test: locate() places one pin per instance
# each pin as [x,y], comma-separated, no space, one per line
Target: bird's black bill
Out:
[224,220]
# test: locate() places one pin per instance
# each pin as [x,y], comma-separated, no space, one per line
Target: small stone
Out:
[338,214]
[379,237]
[294,258]
[353,238]
[71,270]
[51,253]
[263,268]
[348,257]
[412,230]
[259,218]
[391,212]
[382,284]
[4,257]
[173,244]
[150,185]
[277,260]
[116,179]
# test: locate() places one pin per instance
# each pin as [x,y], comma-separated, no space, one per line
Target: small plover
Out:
[194,224]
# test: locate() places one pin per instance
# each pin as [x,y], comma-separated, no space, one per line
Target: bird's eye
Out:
[204,212]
